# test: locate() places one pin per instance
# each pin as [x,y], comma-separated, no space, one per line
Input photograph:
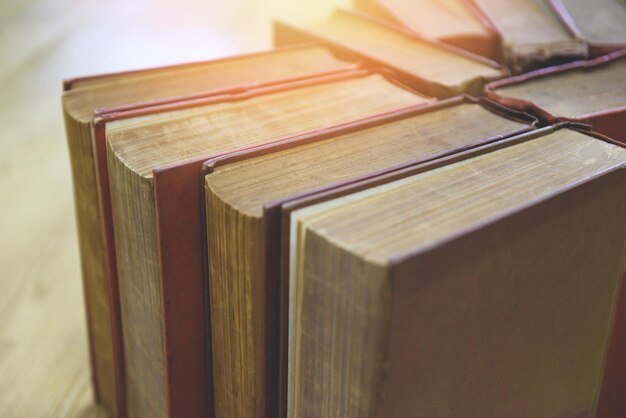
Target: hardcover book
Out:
[599,22]
[243,195]
[132,90]
[592,92]
[484,285]
[455,22]
[431,67]
[532,34]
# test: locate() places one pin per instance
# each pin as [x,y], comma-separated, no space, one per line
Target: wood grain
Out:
[44,369]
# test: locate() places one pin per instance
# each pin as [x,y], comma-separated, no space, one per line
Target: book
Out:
[532,34]
[154,156]
[600,23]
[186,179]
[243,194]
[485,284]
[131,90]
[454,22]
[428,66]
[592,92]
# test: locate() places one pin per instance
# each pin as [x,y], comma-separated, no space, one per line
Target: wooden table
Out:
[43,353]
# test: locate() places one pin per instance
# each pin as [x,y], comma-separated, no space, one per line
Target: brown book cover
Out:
[455,22]
[124,91]
[532,34]
[270,213]
[415,60]
[599,22]
[179,232]
[591,92]
[392,397]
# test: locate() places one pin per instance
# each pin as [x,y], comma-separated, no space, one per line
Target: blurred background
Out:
[43,345]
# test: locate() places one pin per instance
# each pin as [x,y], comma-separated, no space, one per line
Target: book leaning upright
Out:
[244,191]
[490,284]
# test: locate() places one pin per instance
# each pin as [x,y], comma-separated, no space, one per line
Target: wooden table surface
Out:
[43,346]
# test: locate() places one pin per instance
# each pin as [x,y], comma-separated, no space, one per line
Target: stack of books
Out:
[416,209]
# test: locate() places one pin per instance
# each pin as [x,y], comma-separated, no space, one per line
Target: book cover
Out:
[591,92]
